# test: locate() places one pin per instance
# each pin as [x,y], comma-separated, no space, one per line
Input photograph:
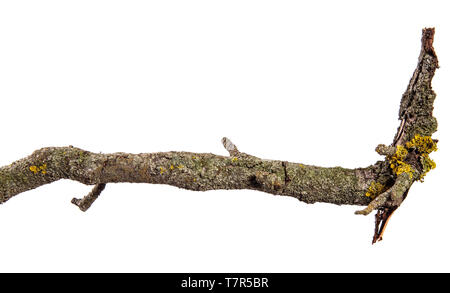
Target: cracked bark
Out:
[205,171]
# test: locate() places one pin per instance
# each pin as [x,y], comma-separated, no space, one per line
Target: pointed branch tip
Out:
[427,40]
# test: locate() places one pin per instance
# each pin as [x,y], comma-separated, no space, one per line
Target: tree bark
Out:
[381,186]
[191,171]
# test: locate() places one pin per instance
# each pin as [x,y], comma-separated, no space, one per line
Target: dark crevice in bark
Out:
[286,176]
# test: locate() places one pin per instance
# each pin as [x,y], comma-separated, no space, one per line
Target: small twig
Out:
[89,199]
[378,218]
[230,146]
[384,150]
[400,131]
[396,195]
[387,216]
[378,202]
[381,220]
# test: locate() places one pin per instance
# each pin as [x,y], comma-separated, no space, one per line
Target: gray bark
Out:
[191,171]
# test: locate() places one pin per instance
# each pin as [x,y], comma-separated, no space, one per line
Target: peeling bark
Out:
[204,171]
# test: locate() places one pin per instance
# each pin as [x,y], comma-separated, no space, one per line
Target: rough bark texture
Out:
[189,171]
[416,106]
[382,186]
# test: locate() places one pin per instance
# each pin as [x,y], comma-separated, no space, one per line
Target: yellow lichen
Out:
[375,189]
[36,169]
[423,145]
[397,162]
[43,168]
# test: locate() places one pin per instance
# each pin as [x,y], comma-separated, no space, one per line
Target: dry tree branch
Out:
[381,187]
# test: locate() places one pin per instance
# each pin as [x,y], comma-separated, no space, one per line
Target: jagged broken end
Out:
[406,161]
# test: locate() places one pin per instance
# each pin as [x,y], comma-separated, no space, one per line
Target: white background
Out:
[317,83]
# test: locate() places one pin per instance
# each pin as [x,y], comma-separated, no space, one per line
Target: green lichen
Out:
[82,156]
[317,184]
[375,189]
[427,164]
